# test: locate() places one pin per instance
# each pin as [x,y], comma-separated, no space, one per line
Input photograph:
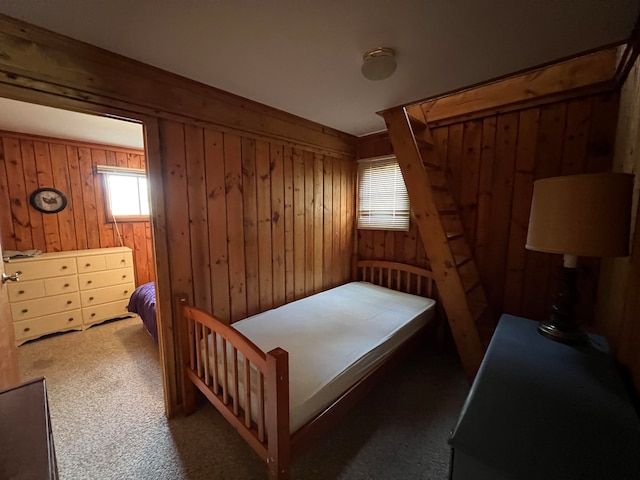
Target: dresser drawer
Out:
[91,263]
[60,285]
[35,269]
[97,296]
[36,327]
[44,306]
[119,260]
[21,291]
[105,311]
[105,279]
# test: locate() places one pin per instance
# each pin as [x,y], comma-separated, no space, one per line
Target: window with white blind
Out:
[383,202]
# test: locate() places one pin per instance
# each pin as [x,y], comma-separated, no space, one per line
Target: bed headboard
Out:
[397,276]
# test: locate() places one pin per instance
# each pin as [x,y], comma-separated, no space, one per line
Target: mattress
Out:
[333,338]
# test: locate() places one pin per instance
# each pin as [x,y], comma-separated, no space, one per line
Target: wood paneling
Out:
[587,74]
[271,232]
[492,163]
[618,307]
[42,67]
[30,162]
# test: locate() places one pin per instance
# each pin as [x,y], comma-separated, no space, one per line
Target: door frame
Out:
[9,371]
[153,153]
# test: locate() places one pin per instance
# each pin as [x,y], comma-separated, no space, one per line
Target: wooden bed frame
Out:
[269,434]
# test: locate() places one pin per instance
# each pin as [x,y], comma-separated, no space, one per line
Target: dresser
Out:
[69,290]
[539,409]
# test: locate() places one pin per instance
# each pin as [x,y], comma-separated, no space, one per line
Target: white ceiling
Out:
[304,56]
[51,122]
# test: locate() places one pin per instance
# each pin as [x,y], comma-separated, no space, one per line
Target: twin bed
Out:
[285,376]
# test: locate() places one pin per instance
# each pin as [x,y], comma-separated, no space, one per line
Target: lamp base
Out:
[561,325]
[569,334]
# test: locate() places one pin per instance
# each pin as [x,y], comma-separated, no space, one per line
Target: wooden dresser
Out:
[69,290]
[539,409]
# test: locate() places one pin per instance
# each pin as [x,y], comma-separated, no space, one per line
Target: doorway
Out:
[60,150]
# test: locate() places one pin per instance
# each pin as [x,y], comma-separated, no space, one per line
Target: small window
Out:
[126,195]
[383,202]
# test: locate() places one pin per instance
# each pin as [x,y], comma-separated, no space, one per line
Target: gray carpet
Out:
[105,395]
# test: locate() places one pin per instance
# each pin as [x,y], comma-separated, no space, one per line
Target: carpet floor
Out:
[107,413]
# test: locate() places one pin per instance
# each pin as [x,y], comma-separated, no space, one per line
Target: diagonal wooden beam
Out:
[586,74]
[430,227]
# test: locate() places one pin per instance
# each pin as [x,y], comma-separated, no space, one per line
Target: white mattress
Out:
[334,338]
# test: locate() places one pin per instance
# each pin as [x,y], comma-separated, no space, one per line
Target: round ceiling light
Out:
[379,63]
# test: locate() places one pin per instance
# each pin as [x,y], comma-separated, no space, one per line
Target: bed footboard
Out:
[249,387]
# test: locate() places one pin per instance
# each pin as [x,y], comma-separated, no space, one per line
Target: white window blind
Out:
[383,202]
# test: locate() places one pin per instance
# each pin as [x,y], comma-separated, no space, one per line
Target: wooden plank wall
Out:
[618,308]
[42,67]
[492,163]
[28,162]
[252,224]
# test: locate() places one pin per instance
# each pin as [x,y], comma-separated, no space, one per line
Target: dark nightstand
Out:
[540,409]
[26,440]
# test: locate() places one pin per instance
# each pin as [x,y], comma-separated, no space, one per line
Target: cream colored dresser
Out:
[69,290]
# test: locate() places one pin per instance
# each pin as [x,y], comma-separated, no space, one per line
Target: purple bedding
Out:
[143,302]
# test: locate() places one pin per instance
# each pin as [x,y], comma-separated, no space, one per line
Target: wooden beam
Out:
[583,75]
[427,218]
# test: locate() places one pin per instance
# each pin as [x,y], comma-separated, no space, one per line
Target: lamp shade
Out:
[583,215]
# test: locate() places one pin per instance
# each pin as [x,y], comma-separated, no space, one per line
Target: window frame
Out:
[105,171]
[380,225]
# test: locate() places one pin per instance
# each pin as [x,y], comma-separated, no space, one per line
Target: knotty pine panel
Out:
[253,224]
[491,164]
[618,308]
[29,162]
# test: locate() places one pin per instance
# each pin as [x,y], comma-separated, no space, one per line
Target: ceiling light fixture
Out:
[379,63]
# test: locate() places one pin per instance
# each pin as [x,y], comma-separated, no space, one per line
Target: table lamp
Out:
[578,215]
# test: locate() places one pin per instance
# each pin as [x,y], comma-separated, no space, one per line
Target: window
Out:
[126,194]
[383,202]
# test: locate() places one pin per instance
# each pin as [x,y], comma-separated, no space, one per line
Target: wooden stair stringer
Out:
[410,147]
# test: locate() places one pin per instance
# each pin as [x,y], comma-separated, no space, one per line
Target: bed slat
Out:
[216,380]
[198,353]
[247,393]
[261,424]
[234,376]
[225,376]
[192,353]
[207,371]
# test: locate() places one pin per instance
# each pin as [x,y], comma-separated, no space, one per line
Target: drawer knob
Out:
[126,291]
[90,298]
[69,302]
[70,319]
[26,329]
[124,276]
[89,282]
[122,261]
[21,292]
[25,310]
[19,272]
[87,264]
[66,285]
[93,314]
[64,267]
